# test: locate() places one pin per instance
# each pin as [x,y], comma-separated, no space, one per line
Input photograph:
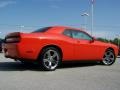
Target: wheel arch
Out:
[55,46]
[114,51]
[108,61]
[110,48]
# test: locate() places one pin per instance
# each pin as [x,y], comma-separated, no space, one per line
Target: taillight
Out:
[13,37]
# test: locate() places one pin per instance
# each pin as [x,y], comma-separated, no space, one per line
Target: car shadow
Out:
[77,64]
[18,66]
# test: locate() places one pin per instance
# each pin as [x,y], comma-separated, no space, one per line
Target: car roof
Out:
[60,29]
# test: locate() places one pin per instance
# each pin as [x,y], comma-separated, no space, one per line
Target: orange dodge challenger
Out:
[50,46]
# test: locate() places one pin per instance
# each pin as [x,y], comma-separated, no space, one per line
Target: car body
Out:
[51,45]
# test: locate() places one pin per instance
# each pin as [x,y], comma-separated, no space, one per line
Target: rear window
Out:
[67,33]
[42,29]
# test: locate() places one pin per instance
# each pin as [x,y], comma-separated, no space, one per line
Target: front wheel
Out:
[50,58]
[109,57]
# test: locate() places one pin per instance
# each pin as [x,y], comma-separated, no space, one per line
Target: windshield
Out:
[42,29]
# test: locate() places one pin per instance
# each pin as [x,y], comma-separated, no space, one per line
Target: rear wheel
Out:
[50,58]
[109,57]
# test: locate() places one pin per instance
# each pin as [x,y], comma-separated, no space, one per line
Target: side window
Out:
[80,35]
[67,33]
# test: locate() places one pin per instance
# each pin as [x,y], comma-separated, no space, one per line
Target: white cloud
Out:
[6,3]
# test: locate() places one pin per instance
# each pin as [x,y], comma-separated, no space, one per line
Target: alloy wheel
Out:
[51,59]
[108,58]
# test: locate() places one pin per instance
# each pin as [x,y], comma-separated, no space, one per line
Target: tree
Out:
[116,41]
[103,40]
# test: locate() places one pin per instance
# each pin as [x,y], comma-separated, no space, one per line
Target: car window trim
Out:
[83,33]
[71,35]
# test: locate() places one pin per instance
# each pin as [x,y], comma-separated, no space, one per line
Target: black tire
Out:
[50,58]
[108,58]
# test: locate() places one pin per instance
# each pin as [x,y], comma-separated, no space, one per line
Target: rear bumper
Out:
[11,50]
[18,51]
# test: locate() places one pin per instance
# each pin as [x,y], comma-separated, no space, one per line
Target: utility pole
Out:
[85,19]
[92,16]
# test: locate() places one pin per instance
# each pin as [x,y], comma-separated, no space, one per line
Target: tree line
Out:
[115,41]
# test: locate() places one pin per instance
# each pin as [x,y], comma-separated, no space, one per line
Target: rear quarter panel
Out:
[31,45]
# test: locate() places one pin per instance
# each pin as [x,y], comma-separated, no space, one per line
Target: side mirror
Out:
[93,39]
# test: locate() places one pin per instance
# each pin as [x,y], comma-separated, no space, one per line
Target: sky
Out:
[29,15]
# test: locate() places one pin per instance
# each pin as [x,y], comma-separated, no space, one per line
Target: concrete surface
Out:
[16,76]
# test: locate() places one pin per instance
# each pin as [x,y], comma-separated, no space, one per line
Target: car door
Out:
[85,47]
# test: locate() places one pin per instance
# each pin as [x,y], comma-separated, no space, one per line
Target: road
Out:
[16,76]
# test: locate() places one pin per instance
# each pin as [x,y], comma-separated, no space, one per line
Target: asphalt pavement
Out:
[17,76]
